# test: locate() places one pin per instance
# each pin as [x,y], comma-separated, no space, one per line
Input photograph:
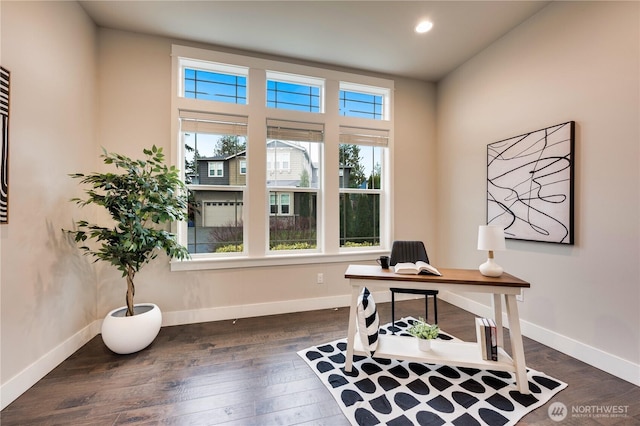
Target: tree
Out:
[142,200]
[374,179]
[364,220]
[305,198]
[350,157]
[229,145]
[190,167]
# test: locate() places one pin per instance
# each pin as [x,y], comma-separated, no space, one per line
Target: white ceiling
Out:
[370,35]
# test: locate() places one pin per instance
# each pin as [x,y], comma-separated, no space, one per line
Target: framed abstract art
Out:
[530,185]
[4,152]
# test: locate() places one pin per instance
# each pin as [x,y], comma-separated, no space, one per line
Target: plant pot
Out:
[424,345]
[126,335]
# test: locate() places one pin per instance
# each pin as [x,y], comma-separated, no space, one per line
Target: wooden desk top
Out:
[449,276]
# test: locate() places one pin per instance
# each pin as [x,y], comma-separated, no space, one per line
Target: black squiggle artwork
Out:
[530,185]
[4,148]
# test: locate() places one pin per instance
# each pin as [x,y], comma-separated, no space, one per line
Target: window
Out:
[278,161]
[275,200]
[294,153]
[216,169]
[213,144]
[214,82]
[361,166]
[355,104]
[280,203]
[363,101]
[294,92]
[285,203]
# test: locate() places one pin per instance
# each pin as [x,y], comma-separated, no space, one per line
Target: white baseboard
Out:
[262,309]
[595,357]
[20,383]
[28,377]
[253,310]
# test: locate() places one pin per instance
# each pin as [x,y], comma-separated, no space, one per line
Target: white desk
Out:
[462,354]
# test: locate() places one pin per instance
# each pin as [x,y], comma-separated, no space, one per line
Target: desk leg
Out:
[351,334]
[517,347]
[497,317]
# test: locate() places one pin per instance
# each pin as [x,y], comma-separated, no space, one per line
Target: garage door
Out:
[222,213]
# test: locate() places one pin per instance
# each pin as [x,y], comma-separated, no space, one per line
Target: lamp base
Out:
[491,269]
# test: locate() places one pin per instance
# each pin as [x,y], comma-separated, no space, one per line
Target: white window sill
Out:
[224,262]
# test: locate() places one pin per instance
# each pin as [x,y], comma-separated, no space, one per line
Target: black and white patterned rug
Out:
[396,392]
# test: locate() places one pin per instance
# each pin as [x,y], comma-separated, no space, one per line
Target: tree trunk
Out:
[131,291]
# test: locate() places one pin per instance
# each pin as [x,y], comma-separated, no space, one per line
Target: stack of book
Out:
[487,338]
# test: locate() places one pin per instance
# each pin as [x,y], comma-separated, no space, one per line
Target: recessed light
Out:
[424,26]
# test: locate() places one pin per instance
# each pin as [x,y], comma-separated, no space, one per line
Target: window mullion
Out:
[257,209]
[328,226]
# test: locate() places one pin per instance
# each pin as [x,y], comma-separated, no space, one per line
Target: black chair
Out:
[411,251]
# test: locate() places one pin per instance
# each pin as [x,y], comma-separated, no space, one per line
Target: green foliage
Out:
[146,196]
[360,219]
[230,248]
[349,155]
[292,233]
[293,246]
[364,224]
[229,145]
[355,244]
[422,330]
[304,179]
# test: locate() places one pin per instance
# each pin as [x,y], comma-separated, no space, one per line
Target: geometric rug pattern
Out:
[398,392]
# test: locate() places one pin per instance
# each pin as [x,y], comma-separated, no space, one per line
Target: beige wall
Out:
[41,275]
[572,61]
[48,290]
[135,112]
[553,68]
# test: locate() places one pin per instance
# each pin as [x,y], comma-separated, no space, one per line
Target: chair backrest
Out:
[408,251]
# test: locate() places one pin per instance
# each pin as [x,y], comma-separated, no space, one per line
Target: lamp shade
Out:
[491,238]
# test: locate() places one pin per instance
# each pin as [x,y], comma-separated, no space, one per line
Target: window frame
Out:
[278,195]
[365,138]
[256,206]
[371,90]
[215,166]
[226,69]
[298,80]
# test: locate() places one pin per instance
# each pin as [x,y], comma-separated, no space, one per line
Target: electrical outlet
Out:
[520,297]
[320,278]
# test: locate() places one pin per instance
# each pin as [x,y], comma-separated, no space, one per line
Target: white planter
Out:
[424,345]
[126,335]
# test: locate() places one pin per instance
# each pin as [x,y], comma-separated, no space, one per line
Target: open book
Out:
[415,268]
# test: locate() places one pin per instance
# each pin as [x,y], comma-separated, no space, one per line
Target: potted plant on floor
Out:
[425,333]
[142,200]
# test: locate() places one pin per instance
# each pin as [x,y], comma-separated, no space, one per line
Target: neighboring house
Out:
[287,165]
[214,207]
[221,170]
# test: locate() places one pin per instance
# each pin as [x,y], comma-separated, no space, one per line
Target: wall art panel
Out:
[530,185]
[4,152]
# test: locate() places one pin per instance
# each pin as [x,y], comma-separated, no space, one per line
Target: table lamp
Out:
[491,238]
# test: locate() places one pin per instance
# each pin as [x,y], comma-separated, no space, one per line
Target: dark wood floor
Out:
[248,373]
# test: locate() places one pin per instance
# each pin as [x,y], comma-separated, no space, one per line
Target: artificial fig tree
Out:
[142,199]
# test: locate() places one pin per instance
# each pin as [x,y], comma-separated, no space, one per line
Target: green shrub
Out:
[230,248]
[293,246]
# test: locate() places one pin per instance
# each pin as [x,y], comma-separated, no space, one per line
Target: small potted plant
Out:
[424,332]
[142,200]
